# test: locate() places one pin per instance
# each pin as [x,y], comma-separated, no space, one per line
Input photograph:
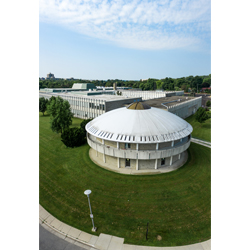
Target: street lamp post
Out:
[88,192]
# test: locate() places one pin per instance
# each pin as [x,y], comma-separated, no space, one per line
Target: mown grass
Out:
[201,131]
[176,204]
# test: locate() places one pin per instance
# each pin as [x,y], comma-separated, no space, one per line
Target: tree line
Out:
[168,83]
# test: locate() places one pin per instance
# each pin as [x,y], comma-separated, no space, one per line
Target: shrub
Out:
[83,124]
[73,137]
[201,115]
[208,103]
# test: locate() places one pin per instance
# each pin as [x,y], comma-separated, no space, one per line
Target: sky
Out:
[127,40]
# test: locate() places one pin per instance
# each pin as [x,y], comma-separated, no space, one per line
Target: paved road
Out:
[50,241]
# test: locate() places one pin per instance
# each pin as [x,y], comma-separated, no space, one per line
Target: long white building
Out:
[91,106]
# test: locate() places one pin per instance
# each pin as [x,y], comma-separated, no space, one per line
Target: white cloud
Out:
[133,24]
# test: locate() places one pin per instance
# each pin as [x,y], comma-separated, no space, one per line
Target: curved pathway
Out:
[103,241]
[201,142]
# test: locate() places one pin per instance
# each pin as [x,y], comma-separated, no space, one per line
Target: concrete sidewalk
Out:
[201,142]
[104,241]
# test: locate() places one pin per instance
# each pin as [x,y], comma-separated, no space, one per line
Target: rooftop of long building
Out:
[167,101]
[99,97]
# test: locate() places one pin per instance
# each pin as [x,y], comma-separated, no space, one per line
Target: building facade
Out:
[149,94]
[138,137]
[90,106]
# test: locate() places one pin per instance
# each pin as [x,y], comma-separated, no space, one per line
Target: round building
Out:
[139,137]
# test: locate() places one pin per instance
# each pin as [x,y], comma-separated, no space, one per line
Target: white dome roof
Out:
[151,125]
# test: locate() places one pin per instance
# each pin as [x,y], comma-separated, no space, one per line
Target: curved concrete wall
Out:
[139,154]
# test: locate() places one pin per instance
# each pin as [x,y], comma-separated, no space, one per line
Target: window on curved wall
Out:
[162,161]
[127,163]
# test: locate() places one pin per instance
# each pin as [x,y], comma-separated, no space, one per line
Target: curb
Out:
[113,242]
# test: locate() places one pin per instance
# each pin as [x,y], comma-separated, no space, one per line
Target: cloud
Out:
[163,24]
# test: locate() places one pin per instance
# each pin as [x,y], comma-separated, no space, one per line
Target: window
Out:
[162,161]
[127,163]
[127,145]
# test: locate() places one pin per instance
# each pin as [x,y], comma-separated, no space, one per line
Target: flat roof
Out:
[167,101]
[98,97]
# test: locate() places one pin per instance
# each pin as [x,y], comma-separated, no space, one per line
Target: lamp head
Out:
[87,192]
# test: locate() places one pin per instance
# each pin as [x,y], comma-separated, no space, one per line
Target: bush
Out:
[83,124]
[208,103]
[73,137]
[201,115]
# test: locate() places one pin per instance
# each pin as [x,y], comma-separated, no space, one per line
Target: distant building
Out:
[182,106]
[84,86]
[50,76]
[204,89]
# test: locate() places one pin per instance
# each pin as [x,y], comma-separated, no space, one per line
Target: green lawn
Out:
[176,204]
[201,131]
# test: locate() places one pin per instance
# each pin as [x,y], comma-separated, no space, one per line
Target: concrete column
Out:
[118,162]
[118,145]
[172,144]
[171,159]
[137,164]
[96,149]
[156,163]
[104,157]
[137,146]
[157,146]
[179,156]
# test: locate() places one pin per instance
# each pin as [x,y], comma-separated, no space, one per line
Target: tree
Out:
[206,83]
[192,92]
[50,99]
[108,84]
[73,137]
[83,124]
[159,84]
[208,103]
[196,82]
[201,115]
[43,104]
[60,114]
[136,85]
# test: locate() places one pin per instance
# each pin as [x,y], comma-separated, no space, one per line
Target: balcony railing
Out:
[138,154]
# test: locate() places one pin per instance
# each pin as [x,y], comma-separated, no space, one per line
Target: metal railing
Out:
[137,154]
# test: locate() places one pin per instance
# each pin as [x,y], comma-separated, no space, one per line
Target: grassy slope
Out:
[201,131]
[176,204]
